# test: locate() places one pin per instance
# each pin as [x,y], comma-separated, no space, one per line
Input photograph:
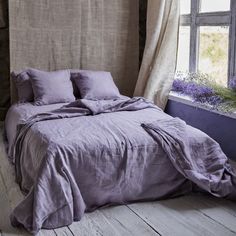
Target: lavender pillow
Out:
[23,86]
[96,85]
[51,87]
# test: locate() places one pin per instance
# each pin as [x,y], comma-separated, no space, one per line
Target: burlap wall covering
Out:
[4,59]
[91,34]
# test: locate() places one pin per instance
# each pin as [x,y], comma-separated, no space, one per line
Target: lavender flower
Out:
[214,100]
[179,85]
[196,90]
[192,89]
[200,93]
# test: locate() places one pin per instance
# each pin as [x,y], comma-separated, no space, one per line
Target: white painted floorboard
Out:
[185,216]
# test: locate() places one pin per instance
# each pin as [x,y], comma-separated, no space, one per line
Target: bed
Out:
[75,157]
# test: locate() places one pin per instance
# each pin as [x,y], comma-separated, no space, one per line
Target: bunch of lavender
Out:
[197,90]
[200,93]
[202,88]
[213,100]
[179,85]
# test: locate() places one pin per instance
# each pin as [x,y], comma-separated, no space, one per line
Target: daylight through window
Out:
[206,38]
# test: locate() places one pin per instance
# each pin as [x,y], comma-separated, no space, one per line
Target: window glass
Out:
[184,7]
[213,52]
[183,49]
[214,5]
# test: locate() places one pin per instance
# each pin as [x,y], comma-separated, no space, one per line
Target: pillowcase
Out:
[96,85]
[23,86]
[51,87]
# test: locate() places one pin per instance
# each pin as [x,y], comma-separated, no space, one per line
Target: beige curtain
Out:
[159,60]
[86,34]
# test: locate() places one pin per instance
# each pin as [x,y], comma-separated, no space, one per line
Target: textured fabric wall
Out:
[91,34]
[4,59]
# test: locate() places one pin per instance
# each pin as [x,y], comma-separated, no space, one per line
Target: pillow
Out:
[95,85]
[23,86]
[51,87]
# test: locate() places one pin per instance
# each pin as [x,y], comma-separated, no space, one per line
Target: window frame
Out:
[220,18]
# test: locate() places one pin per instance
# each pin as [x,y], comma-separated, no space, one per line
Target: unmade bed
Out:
[75,157]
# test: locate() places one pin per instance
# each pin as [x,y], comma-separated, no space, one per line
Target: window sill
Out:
[187,100]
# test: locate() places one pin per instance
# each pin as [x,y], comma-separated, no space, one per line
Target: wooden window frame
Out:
[221,18]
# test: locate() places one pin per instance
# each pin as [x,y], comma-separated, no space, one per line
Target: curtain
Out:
[159,60]
[84,34]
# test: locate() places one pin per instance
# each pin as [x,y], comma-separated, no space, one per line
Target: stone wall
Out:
[4,59]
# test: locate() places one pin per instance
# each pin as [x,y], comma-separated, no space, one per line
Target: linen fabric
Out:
[89,154]
[90,35]
[23,86]
[195,155]
[19,113]
[86,155]
[51,87]
[96,85]
[160,54]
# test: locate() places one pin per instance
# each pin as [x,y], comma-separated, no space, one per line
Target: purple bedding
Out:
[93,153]
[19,113]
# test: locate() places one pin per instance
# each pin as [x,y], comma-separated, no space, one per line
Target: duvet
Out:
[88,154]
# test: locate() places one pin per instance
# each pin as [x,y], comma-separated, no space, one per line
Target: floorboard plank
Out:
[115,221]
[177,217]
[46,232]
[214,202]
[64,231]
[220,210]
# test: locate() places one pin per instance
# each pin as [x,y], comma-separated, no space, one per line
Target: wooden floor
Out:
[184,216]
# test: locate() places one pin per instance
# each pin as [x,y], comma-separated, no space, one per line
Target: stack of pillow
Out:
[63,86]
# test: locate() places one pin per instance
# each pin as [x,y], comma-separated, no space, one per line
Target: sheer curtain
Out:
[160,54]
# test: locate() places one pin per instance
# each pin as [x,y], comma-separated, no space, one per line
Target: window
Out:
[207,38]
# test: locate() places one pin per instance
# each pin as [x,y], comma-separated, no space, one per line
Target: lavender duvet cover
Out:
[88,154]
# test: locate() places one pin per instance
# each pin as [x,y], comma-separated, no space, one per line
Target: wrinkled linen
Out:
[19,113]
[88,154]
[195,155]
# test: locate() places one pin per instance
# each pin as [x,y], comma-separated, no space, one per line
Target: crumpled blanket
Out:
[93,153]
[195,155]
